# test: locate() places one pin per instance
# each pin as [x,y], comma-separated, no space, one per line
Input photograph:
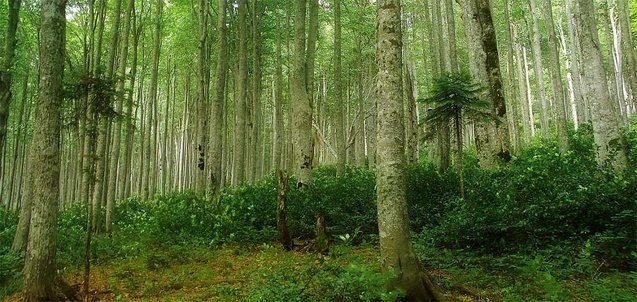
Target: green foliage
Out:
[454,97]
[428,194]
[10,263]
[544,198]
[325,281]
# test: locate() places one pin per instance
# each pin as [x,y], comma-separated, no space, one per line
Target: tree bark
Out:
[203,72]
[338,95]
[241,100]
[555,69]
[492,138]
[605,121]
[13,18]
[301,101]
[395,247]
[216,139]
[539,70]
[39,267]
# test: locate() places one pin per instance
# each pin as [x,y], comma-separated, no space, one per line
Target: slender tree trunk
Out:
[151,127]
[114,180]
[217,142]
[241,100]
[555,69]
[539,71]
[522,89]
[512,102]
[338,95]
[581,105]
[629,62]
[18,141]
[451,36]
[203,72]
[39,267]
[13,17]
[257,138]
[126,188]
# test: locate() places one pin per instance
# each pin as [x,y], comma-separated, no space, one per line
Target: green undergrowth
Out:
[541,275]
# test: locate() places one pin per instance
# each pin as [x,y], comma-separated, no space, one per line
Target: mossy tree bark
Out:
[39,267]
[395,247]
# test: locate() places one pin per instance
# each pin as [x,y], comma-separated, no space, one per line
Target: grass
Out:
[268,273]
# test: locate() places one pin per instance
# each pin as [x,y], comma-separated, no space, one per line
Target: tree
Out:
[395,247]
[242,87]
[300,96]
[539,70]
[605,120]
[492,138]
[455,97]
[203,72]
[338,96]
[5,72]
[39,266]
[216,150]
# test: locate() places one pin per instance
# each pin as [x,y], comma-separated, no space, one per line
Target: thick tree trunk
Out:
[492,138]
[301,101]
[605,121]
[395,247]
[39,267]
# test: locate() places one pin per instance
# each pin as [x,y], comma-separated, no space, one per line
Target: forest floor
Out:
[265,272]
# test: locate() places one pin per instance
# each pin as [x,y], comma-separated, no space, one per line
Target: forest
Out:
[318,150]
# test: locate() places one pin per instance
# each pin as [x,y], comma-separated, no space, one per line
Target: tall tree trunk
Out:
[395,247]
[13,17]
[300,100]
[539,70]
[203,72]
[522,88]
[492,138]
[114,180]
[513,118]
[451,36]
[217,142]
[605,122]
[341,154]
[629,61]
[126,188]
[257,138]
[39,267]
[555,68]
[151,126]
[241,100]
[581,106]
